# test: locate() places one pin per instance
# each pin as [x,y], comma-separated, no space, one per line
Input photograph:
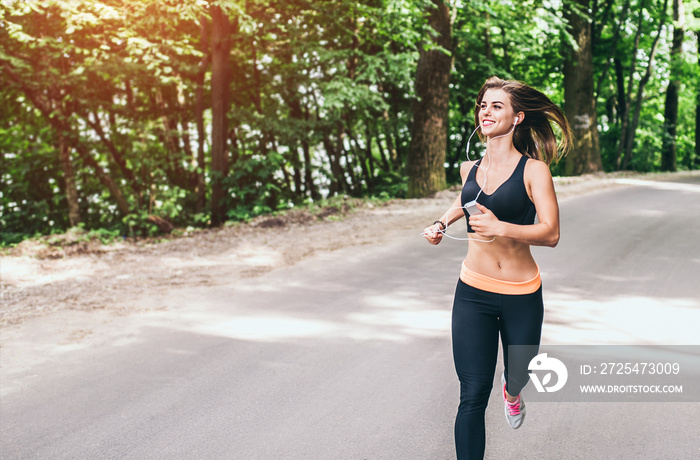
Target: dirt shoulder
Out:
[39,280]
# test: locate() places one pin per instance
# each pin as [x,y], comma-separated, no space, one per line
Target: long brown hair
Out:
[533,136]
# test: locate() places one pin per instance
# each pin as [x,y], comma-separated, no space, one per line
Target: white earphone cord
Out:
[481,189]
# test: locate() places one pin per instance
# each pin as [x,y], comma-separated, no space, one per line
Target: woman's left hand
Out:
[486,224]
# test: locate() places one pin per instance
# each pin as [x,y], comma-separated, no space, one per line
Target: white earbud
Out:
[470,139]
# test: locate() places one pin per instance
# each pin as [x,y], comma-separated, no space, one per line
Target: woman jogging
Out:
[499,289]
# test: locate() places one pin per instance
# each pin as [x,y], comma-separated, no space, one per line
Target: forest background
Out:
[129,117]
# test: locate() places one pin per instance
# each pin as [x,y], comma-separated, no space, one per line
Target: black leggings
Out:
[477,318]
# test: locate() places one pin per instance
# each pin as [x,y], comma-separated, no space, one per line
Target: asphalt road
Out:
[347,354]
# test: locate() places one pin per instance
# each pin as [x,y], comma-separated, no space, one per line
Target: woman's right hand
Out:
[433,234]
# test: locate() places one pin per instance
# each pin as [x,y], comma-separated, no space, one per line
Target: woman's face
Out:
[496,114]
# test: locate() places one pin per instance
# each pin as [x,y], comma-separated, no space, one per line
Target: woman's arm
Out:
[453,213]
[540,187]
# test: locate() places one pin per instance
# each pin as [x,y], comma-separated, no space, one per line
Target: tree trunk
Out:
[368,153]
[357,155]
[640,89]
[285,173]
[165,99]
[391,123]
[383,154]
[308,177]
[506,54]
[220,80]
[310,185]
[354,183]
[201,166]
[668,151]
[69,178]
[621,94]
[296,170]
[580,100]
[426,152]
[337,177]
[389,140]
[488,49]
[697,115]
[199,116]
[613,46]
[302,115]
[625,107]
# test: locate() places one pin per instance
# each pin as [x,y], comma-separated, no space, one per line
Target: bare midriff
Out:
[502,260]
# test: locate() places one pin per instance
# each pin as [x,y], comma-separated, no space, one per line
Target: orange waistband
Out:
[486,283]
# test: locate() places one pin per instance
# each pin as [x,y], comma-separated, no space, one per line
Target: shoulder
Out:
[538,179]
[464,169]
[536,170]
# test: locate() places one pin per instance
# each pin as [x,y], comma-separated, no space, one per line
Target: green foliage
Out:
[104,235]
[487,44]
[31,198]
[390,185]
[252,188]
[320,100]
[137,224]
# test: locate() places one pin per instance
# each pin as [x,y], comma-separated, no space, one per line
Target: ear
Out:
[519,117]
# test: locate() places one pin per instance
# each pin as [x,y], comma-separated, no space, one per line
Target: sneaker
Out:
[515,411]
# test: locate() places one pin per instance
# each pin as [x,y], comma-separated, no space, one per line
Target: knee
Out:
[474,393]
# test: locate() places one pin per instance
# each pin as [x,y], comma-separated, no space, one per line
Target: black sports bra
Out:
[509,203]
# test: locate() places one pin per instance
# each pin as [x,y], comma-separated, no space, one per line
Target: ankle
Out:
[507,396]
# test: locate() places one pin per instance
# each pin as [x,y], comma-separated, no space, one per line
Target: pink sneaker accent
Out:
[515,411]
[513,407]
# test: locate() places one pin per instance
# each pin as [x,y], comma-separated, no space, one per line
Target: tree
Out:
[697,111]
[220,82]
[42,51]
[116,112]
[580,107]
[696,16]
[530,52]
[426,154]
[64,151]
[629,126]
[668,154]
